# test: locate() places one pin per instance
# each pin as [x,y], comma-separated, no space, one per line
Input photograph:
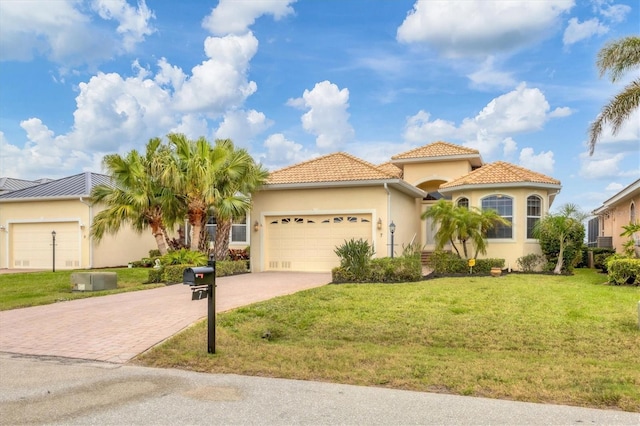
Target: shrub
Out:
[173,273]
[155,275]
[444,262]
[397,269]
[231,267]
[238,254]
[600,260]
[623,270]
[355,256]
[483,266]
[184,256]
[530,262]
[153,253]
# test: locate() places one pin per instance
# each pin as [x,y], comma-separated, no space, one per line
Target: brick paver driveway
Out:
[118,327]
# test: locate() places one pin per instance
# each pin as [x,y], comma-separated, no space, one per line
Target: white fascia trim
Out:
[56,198]
[43,220]
[438,159]
[398,183]
[472,187]
[619,196]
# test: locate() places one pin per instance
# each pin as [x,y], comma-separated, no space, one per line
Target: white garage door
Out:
[32,245]
[307,243]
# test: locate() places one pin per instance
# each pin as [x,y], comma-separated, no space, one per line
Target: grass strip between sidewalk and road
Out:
[540,338]
[23,289]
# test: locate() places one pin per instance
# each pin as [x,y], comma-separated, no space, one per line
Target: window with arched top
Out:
[503,205]
[534,213]
[463,202]
[632,213]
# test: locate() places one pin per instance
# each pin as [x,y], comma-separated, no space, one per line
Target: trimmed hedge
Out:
[444,262]
[383,270]
[172,274]
[624,271]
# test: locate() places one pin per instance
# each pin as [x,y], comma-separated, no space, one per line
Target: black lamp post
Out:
[53,235]
[392,229]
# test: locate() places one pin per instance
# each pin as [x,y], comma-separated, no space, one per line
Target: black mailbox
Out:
[201,275]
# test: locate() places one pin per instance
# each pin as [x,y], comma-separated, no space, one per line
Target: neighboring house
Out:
[30,215]
[619,210]
[306,210]
[8,184]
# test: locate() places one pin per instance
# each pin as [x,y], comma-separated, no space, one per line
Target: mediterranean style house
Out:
[616,212]
[300,216]
[307,209]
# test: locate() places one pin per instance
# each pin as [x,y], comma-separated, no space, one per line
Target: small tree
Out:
[561,236]
[631,244]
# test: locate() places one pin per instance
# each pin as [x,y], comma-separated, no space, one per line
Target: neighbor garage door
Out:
[31,245]
[307,243]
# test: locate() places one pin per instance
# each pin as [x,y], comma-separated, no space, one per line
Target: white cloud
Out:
[282,152]
[577,31]
[542,162]
[561,112]
[242,126]
[487,76]
[614,187]
[235,17]
[522,110]
[613,12]
[598,167]
[133,23]
[220,82]
[327,117]
[480,27]
[67,33]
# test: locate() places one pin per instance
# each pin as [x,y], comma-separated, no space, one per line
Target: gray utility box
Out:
[94,281]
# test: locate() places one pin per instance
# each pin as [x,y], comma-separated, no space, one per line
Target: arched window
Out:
[463,202]
[503,205]
[632,213]
[534,213]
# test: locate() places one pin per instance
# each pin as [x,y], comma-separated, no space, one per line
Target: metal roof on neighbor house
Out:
[79,185]
[8,184]
[500,172]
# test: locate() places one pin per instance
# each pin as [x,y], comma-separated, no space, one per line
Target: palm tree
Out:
[462,224]
[561,229]
[135,197]
[190,169]
[617,57]
[236,181]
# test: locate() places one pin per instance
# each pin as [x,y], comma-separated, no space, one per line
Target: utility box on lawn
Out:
[94,281]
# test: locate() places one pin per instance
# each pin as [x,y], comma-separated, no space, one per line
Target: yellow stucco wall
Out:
[416,173]
[373,200]
[111,251]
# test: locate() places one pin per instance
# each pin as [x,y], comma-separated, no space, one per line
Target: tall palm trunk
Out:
[221,247]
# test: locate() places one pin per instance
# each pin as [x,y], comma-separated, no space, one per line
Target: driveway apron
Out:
[118,327]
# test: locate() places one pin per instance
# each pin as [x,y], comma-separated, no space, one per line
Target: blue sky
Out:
[290,80]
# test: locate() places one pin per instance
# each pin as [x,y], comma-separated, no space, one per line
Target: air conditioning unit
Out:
[94,281]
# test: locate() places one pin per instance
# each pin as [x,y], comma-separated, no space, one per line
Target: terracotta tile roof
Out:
[436,149]
[500,172]
[391,169]
[336,167]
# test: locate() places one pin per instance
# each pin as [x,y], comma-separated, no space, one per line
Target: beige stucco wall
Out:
[618,215]
[372,200]
[111,251]
[416,173]
[517,246]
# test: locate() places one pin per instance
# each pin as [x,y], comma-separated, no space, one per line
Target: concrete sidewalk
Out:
[64,391]
[116,328]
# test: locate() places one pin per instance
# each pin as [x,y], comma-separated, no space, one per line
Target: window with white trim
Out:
[238,232]
[463,202]
[534,213]
[503,205]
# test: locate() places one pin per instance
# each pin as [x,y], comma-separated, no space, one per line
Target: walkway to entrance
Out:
[118,327]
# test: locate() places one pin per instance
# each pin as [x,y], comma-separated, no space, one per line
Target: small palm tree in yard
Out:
[466,225]
[561,236]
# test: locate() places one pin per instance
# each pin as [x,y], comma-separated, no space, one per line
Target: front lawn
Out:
[20,290]
[541,338]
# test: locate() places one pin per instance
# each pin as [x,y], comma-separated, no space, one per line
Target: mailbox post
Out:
[197,278]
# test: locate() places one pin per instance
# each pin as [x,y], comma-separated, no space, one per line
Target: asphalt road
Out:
[47,390]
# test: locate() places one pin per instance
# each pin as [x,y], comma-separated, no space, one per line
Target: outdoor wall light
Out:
[256,226]
[379,223]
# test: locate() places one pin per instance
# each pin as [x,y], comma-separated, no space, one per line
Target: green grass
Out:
[540,338]
[20,290]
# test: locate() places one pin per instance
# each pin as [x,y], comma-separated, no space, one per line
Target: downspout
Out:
[386,188]
[90,237]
